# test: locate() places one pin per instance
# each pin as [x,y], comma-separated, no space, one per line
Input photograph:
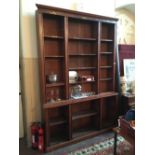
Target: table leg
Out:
[115,143]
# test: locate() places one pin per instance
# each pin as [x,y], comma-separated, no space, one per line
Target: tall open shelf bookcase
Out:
[85,43]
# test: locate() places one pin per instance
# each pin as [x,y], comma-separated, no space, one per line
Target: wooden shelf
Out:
[57,121]
[106,40]
[53,37]
[82,39]
[105,79]
[83,114]
[83,54]
[82,68]
[55,84]
[55,56]
[106,53]
[82,82]
[57,142]
[105,67]
[83,132]
[74,101]
[58,139]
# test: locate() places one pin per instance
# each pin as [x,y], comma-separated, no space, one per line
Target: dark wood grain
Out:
[82,42]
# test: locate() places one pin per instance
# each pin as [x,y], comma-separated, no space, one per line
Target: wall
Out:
[29,53]
[126,26]
[121,3]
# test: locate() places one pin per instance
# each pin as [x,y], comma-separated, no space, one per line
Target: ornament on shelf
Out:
[123,84]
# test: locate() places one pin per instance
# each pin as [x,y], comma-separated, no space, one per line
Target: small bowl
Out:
[52,78]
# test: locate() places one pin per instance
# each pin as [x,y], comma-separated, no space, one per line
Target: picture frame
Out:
[129,69]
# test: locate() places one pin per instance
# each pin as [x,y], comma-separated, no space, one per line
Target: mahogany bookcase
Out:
[82,42]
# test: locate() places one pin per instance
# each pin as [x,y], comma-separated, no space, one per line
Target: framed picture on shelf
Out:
[129,69]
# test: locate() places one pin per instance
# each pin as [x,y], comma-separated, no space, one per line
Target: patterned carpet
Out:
[85,143]
[106,148]
[99,145]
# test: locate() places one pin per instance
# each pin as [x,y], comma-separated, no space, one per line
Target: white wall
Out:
[121,3]
[126,26]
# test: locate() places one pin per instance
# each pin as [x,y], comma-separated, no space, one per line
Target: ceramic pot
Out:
[52,78]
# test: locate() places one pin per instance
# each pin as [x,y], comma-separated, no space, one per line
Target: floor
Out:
[24,150]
